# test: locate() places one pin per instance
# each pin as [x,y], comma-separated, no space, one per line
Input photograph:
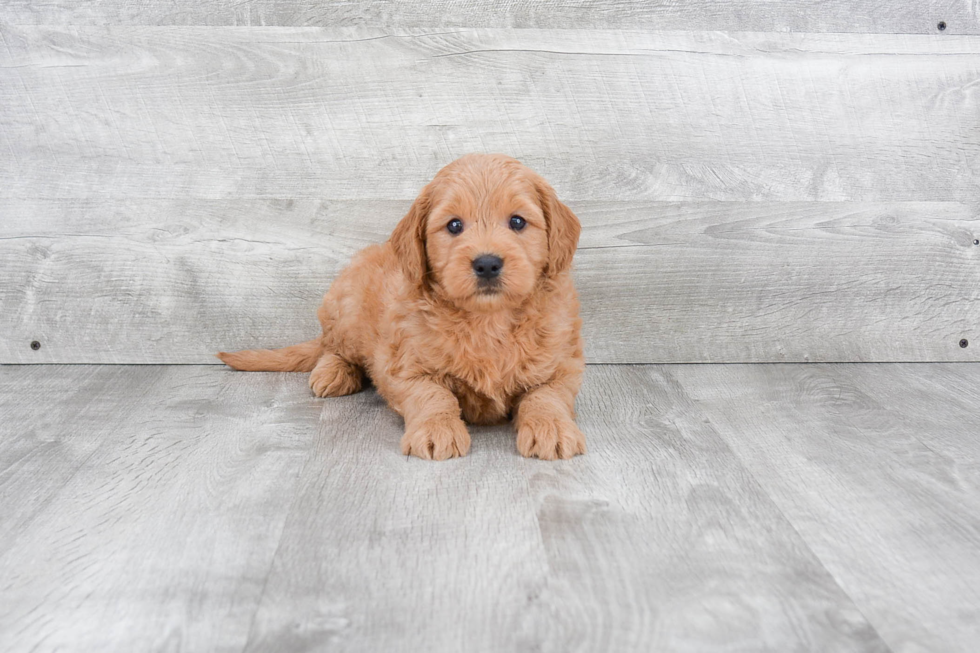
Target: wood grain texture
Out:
[878,468]
[173,281]
[361,113]
[658,539]
[936,407]
[43,449]
[687,15]
[141,507]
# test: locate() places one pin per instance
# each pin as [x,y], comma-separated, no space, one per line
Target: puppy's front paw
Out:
[549,438]
[437,438]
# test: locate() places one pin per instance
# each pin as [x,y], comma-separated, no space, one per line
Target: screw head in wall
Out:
[964,343]
[941,26]
[35,345]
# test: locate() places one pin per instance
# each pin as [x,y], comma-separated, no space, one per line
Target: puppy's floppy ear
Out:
[408,240]
[563,229]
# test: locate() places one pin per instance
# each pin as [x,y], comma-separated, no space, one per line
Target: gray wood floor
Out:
[720,508]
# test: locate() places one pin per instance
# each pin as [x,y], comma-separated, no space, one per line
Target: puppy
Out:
[468,312]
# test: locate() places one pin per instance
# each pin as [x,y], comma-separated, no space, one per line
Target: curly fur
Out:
[441,348]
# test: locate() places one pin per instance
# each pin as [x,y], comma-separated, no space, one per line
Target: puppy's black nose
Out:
[487,266]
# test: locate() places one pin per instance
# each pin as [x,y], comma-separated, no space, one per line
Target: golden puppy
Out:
[467,311]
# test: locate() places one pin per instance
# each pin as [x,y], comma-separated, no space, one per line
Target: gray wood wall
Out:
[803,186]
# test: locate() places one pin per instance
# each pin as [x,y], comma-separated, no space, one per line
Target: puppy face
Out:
[486,237]
[484,231]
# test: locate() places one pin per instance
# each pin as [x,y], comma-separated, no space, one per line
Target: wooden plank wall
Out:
[802,187]
[862,16]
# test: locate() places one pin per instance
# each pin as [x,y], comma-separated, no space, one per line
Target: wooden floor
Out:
[720,508]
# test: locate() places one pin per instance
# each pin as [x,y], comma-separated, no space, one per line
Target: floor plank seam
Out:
[297,495]
[745,469]
[823,565]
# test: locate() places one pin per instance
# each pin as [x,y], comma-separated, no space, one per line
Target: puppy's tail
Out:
[298,358]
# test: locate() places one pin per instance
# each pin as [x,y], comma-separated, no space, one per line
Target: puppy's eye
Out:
[517,222]
[455,226]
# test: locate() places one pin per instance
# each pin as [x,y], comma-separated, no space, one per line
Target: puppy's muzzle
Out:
[487,267]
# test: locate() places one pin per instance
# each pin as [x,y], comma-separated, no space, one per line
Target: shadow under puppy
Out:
[467,311]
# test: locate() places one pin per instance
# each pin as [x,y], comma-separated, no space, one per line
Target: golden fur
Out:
[412,316]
